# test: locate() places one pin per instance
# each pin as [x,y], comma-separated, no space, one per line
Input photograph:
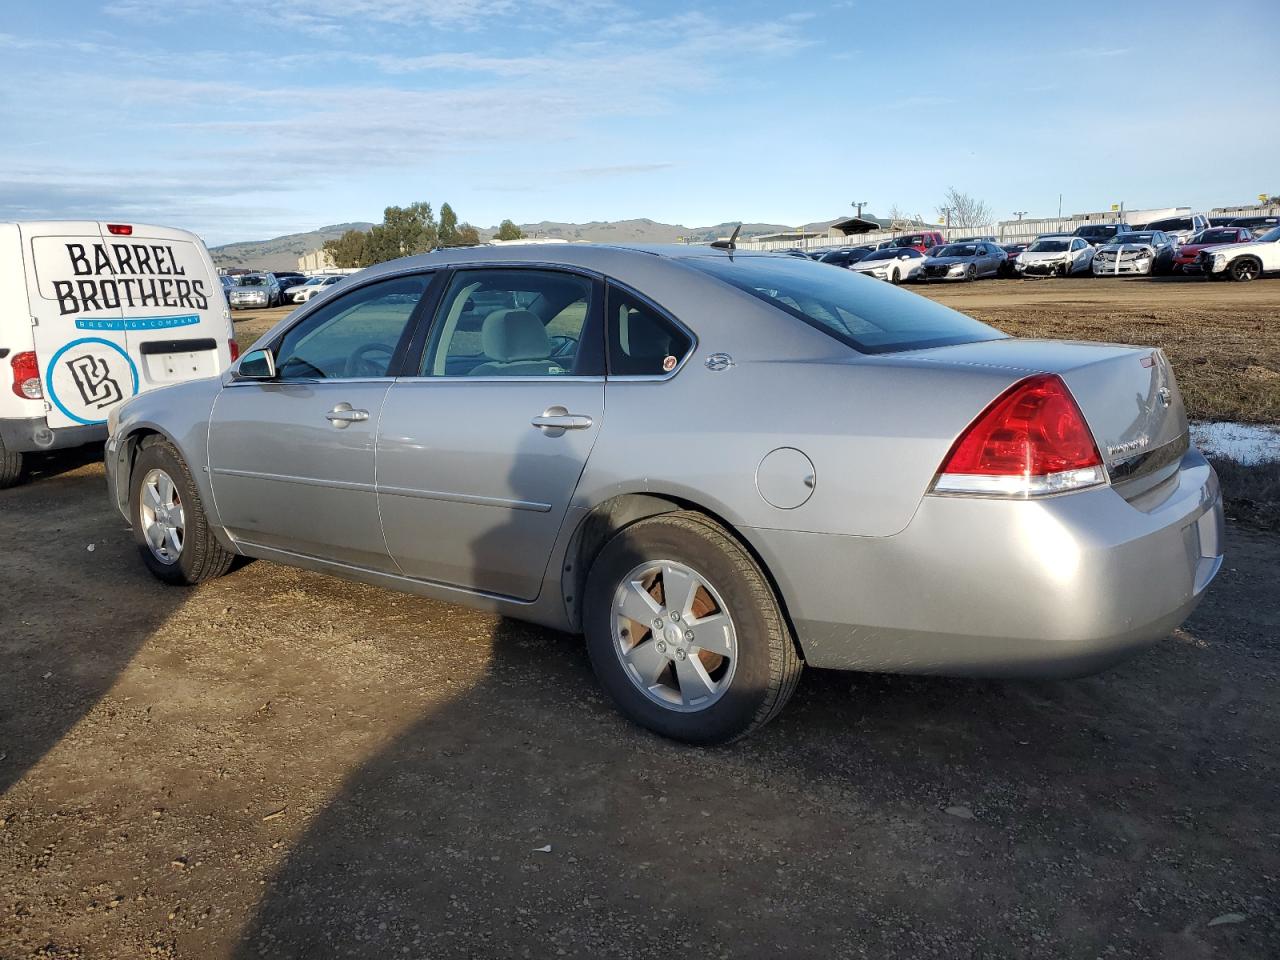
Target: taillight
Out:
[120,229]
[235,350]
[26,376]
[1032,440]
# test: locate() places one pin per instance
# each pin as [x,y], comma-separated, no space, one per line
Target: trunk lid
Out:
[1128,396]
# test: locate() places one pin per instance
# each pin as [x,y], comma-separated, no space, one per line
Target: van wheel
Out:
[685,633]
[10,467]
[169,523]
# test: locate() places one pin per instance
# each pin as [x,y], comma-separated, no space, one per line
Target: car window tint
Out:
[869,316]
[642,342]
[510,323]
[352,336]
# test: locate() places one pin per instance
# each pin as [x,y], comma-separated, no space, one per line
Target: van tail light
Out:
[1031,441]
[120,229]
[26,376]
[235,350]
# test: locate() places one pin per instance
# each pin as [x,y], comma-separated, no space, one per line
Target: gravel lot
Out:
[281,764]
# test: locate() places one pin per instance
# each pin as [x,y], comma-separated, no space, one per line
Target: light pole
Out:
[1019,214]
[859,204]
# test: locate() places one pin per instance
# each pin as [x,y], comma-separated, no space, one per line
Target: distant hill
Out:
[279,253]
[282,253]
[636,231]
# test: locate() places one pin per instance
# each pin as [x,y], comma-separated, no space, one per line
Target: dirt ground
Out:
[281,764]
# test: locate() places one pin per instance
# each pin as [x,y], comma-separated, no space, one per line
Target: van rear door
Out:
[121,309]
[81,348]
[177,323]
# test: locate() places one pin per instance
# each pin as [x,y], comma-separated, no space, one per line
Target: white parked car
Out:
[1243,261]
[1054,255]
[1181,229]
[1144,252]
[895,264]
[92,314]
[314,286]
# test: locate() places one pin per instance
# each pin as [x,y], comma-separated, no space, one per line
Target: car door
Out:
[479,454]
[291,459]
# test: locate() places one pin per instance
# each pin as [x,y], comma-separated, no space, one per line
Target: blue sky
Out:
[243,119]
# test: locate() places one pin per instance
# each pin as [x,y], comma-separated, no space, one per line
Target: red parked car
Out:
[1187,259]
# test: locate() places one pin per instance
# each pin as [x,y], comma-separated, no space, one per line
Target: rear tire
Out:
[169,522]
[750,666]
[10,467]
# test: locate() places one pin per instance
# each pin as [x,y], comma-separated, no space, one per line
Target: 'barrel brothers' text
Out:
[109,276]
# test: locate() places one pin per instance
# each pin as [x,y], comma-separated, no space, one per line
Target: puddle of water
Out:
[1243,442]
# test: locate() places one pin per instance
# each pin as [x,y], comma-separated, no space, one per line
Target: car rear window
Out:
[866,314]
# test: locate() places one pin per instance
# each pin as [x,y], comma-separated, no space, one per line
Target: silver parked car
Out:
[717,466]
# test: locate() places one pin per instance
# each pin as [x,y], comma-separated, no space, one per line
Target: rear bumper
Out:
[35,435]
[1063,586]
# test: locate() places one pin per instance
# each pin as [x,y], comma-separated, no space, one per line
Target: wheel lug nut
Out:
[657,624]
[675,615]
[662,647]
[688,635]
[680,654]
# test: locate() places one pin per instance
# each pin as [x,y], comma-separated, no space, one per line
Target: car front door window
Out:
[352,337]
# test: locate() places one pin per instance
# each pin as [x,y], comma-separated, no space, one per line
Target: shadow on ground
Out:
[1123,811]
[71,617]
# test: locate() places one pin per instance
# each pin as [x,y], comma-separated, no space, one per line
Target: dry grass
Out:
[1223,339]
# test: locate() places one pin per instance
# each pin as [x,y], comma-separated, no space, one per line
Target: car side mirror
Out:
[256,365]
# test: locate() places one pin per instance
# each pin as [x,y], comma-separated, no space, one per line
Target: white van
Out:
[90,315]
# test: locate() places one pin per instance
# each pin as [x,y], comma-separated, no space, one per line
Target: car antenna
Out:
[731,243]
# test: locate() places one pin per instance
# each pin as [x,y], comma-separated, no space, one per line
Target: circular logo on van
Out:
[87,377]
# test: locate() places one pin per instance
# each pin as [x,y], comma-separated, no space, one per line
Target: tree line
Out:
[408,230]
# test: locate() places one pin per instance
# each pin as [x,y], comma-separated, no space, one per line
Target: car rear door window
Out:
[514,323]
[354,336]
[642,341]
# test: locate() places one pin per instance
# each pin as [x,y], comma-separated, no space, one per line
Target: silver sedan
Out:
[717,466]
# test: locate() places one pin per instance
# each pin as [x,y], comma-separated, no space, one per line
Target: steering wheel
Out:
[359,365]
[563,345]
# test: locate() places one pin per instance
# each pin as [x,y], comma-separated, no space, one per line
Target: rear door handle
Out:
[555,420]
[342,416]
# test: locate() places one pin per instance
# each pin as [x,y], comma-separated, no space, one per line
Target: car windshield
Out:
[1057,245]
[1271,236]
[1216,236]
[254,282]
[1173,223]
[955,250]
[1135,238]
[863,313]
[1102,230]
[893,253]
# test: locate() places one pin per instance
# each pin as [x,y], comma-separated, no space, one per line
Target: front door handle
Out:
[556,420]
[342,416]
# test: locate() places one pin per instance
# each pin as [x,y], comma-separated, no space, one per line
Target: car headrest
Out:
[642,334]
[511,335]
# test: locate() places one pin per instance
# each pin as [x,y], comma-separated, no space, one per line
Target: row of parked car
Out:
[1241,248]
[258,290]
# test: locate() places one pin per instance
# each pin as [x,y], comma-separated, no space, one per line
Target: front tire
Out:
[685,633]
[169,522]
[1244,269]
[971,274]
[10,467]
[895,278]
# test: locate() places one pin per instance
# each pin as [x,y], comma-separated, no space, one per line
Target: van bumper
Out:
[35,435]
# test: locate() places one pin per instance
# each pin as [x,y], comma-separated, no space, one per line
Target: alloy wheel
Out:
[674,636]
[161,515]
